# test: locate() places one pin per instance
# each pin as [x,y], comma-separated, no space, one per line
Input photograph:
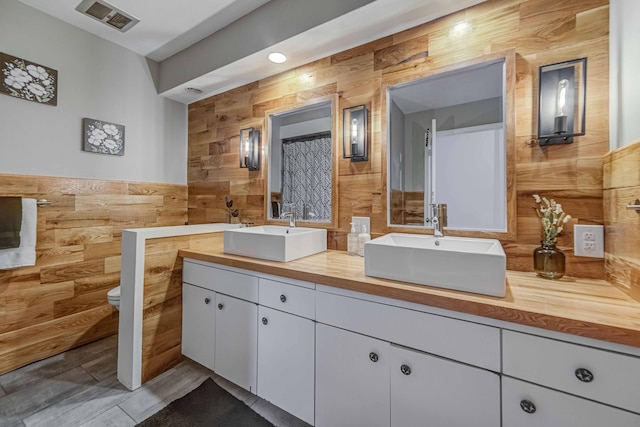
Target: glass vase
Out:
[548,261]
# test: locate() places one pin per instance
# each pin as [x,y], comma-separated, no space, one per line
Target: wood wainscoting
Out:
[162,306]
[622,225]
[61,302]
[540,32]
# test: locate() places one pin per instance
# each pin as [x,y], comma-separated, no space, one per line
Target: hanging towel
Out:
[10,222]
[25,254]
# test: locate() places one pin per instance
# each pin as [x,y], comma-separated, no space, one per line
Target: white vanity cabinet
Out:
[236,349]
[268,349]
[432,391]
[352,379]
[286,347]
[529,405]
[199,324]
[564,376]
[220,332]
[335,357]
[372,381]
[220,322]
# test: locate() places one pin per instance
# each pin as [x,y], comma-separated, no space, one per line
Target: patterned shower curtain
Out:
[306,176]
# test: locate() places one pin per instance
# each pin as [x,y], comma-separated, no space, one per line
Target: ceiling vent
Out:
[107,14]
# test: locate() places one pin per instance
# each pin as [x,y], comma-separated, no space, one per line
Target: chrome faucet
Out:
[439,219]
[291,214]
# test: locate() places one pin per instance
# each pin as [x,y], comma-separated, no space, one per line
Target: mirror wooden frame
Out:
[394,79]
[336,153]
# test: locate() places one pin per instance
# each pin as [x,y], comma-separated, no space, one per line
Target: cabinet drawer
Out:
[600,375]
[466,342]
[226,282]
[428,390]
[548,408]
[288,298]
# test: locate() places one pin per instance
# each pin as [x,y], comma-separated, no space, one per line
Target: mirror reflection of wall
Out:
[447,145]
[300,165]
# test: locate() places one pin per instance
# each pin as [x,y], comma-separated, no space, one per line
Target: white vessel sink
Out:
[459,263]
[275,243]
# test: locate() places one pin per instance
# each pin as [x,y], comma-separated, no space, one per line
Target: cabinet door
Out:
[352,379]
[198,324]
[528,405]
[428,390]
[236,345]
[286,355]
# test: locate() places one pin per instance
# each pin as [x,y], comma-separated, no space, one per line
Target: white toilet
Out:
[113,296]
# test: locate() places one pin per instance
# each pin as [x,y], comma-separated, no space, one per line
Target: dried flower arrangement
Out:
[552,218]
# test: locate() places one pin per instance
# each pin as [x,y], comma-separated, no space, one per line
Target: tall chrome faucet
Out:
[291,214]
[439,219]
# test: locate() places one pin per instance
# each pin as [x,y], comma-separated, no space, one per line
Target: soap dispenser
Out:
[352,241]
[363,237]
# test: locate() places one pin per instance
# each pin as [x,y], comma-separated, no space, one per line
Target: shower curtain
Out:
[306,176]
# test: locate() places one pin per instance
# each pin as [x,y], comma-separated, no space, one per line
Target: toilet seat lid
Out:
[114,293]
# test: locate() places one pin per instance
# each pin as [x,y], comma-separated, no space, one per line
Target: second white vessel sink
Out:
[275,243]
[459,263]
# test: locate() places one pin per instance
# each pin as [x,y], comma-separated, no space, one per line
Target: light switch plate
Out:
[358,221]
[588,241]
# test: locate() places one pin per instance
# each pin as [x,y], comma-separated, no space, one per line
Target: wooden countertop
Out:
[584,307]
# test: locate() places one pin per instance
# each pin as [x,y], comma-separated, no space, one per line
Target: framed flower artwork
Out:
[103,137]
[27,80]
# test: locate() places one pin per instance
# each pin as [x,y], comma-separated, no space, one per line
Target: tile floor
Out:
[79,388]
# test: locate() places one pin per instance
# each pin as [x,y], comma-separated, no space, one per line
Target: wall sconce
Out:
[354,141]
[561,105]
[250,149]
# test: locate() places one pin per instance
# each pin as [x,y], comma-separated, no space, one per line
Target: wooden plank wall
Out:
[162,315]
[622,231]
[540,31]
[61,302]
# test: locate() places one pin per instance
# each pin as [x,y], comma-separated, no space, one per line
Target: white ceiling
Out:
[169,27]
[166,26]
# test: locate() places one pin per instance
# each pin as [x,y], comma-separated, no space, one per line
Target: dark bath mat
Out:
[208,405]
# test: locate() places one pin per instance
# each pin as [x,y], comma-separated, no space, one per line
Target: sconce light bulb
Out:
[354,130]
[561,97]
[560,122]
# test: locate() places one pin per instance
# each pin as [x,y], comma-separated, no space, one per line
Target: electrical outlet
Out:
[588,241]
[358,221]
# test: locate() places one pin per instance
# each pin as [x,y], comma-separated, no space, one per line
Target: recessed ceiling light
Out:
[277,57]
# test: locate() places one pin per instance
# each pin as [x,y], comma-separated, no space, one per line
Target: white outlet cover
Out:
[588,248]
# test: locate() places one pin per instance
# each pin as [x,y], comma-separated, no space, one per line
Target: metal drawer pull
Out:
[405,369]
[373,357]
[283,298]
[528,406]
[207,300]
[584,375]
[264,321]
[220,306]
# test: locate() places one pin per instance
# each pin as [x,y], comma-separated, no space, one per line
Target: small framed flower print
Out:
[27,80]
[103,137]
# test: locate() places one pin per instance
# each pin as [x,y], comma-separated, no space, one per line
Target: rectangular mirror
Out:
[302,164]
[448,142]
